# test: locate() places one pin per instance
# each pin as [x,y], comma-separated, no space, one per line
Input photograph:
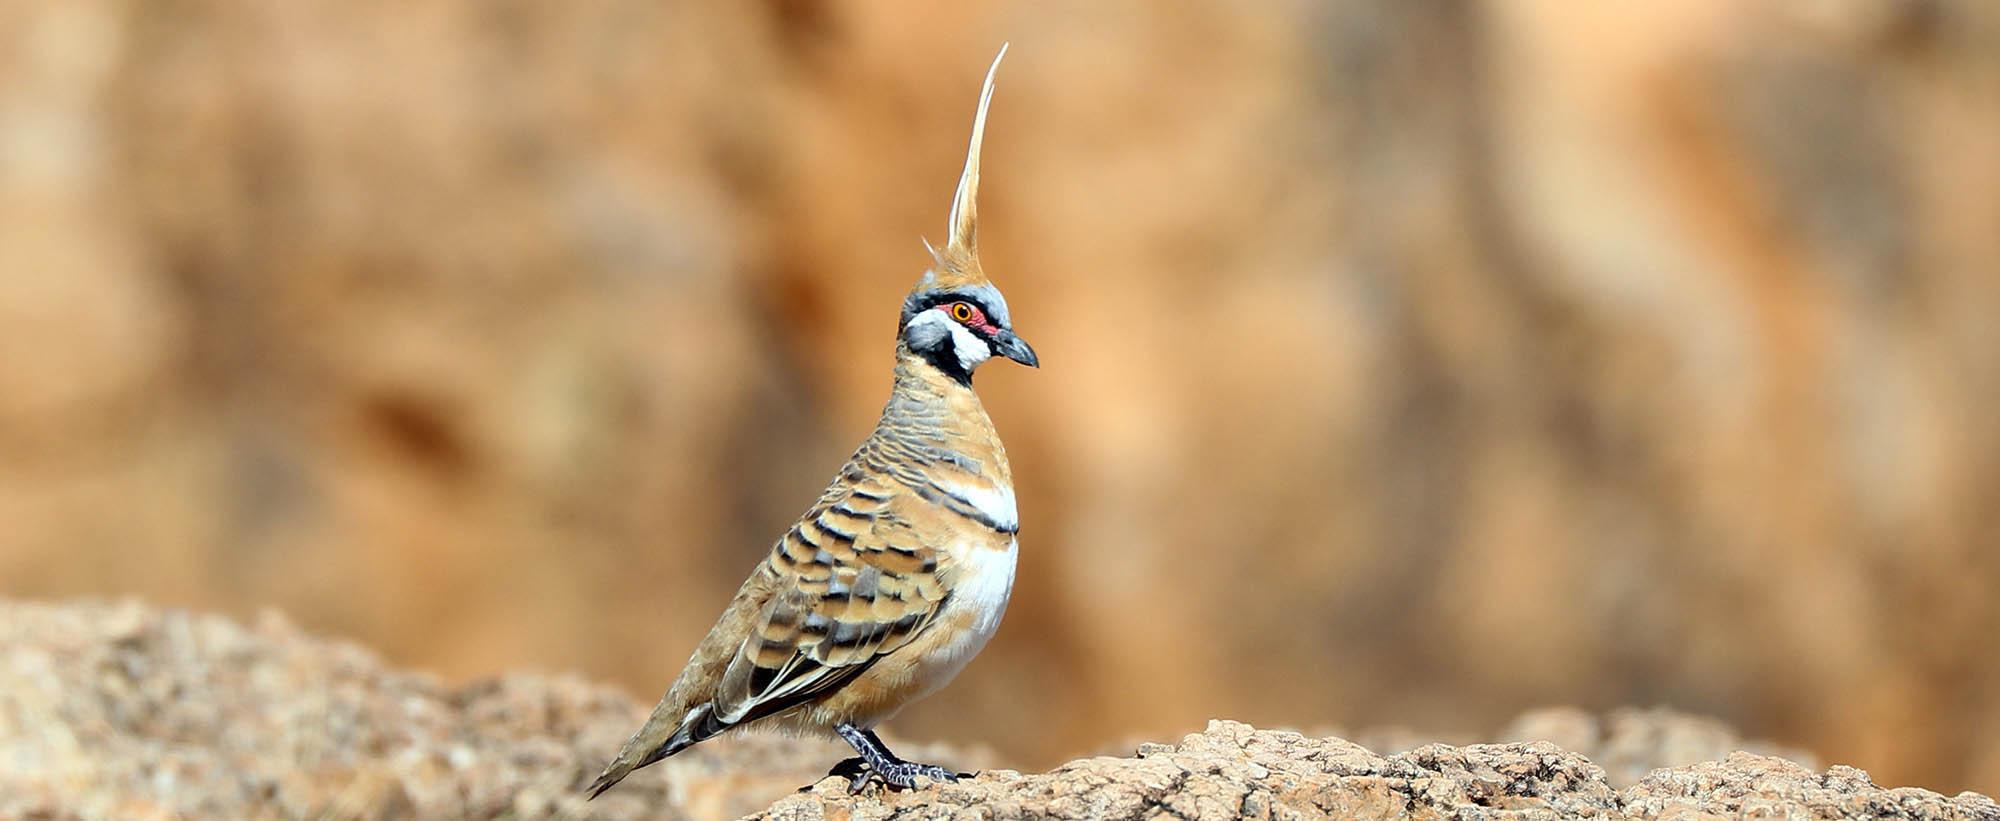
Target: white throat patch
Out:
[929,329]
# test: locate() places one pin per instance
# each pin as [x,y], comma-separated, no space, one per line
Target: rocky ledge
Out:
[120,710]
[1232,770]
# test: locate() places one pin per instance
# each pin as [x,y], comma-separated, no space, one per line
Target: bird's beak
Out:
[1013,347]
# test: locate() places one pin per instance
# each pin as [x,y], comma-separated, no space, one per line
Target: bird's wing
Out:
[856,579]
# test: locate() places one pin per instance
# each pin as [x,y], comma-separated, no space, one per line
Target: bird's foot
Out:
[900,775]
[881,764]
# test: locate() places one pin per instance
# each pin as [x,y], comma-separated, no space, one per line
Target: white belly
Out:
[979,598]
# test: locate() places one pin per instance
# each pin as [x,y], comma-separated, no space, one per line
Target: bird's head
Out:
[954,318]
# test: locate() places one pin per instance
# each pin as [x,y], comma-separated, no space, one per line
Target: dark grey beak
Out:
[1008,345]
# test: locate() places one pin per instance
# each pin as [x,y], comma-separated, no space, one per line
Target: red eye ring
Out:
[962,312]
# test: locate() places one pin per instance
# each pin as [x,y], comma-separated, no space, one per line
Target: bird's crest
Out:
[958,261]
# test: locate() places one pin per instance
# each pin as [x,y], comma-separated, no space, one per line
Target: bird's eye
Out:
[961,312]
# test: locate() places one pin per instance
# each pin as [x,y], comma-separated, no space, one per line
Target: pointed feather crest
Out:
[964,222]
[958,260]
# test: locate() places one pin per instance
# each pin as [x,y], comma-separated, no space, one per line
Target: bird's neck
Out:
[927,395]
[931,412]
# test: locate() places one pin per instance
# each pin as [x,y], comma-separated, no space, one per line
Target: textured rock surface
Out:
[119,710]
[1232,770]
[1755,786]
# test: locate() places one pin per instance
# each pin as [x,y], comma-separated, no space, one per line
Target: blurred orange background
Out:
[1404,362]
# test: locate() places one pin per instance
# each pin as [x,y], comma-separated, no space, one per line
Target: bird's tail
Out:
[656,741]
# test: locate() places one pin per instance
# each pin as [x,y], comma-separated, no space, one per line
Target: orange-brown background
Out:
[1406,363]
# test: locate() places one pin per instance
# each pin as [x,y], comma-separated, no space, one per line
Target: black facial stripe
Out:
[944,355]
[945,359]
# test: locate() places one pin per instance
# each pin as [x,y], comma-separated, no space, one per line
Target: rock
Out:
[1629,743]
[1754,786]
[123,710]
[1232,770]
[119,710]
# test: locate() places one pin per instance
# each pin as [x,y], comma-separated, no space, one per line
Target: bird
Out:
[900,572]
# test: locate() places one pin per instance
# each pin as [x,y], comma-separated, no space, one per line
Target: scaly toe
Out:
[903,775]
[859,782]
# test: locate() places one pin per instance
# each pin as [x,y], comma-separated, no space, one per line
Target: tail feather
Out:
[642,750]
[611,775]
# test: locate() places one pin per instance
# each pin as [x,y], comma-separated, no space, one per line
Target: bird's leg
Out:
[883,764]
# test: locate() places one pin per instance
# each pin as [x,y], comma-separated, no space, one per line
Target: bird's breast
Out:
[990,504]
[984,578]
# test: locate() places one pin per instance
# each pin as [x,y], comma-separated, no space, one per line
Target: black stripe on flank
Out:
[980,516]
[966,508]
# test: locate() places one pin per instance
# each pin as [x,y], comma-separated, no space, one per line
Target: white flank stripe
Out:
[995,505]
